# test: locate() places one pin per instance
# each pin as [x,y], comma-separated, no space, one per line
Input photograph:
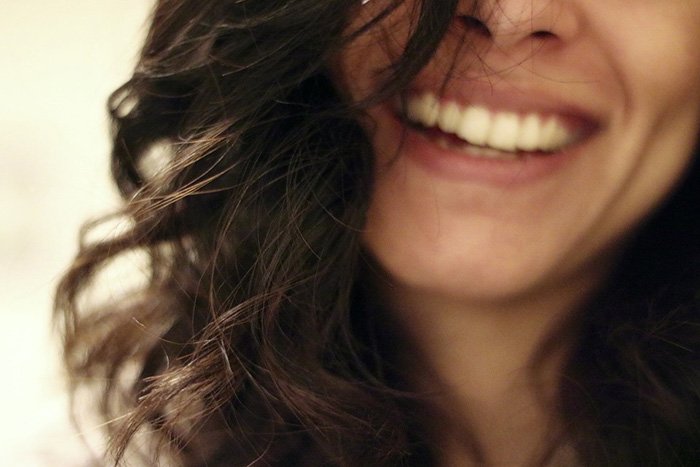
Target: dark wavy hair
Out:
[252,337]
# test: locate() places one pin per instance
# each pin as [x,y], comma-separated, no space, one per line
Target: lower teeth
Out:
[477,151]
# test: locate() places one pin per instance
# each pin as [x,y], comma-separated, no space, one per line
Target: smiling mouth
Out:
[479,131]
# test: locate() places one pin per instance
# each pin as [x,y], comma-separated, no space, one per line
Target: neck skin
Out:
[478,366]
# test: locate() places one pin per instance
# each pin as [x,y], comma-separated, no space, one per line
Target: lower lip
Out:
[458,165]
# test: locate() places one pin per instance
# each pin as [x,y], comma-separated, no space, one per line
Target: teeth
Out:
[479,126]
[449,118]
[475,125]
[424,109]
[553,135]
[529,135]
[475,151]
[504,132]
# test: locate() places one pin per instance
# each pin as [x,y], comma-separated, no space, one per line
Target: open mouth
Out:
[479,131]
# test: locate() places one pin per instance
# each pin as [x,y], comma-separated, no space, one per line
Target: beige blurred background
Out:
[59,61]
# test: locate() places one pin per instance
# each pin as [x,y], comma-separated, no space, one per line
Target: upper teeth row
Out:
[505,131]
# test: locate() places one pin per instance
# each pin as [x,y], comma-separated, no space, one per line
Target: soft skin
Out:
[483,267]
[633,65]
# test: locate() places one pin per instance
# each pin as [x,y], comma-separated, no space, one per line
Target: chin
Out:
[465,278]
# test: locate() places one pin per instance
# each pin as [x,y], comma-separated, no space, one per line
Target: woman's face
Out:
[564,123]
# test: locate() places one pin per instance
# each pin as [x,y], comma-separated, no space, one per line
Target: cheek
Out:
[658,80]
[661,67]
[667,106]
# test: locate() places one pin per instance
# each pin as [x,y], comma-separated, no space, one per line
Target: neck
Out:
[488,369]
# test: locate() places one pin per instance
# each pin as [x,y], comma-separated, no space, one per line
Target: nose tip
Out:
[507,23]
